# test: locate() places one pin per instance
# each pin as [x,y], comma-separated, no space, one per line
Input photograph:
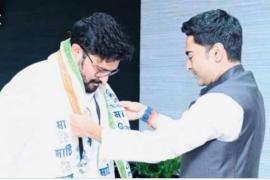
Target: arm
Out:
[213,116]
[81,126]
[16,127]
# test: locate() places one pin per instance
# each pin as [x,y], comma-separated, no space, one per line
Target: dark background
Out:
[32,29]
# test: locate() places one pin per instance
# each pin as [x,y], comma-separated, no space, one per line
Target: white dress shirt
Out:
[213,116]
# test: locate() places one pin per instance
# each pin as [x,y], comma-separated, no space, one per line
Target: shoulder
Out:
[34,75]
[219,103]
[216,99]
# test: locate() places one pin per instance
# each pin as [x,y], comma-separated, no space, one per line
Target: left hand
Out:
[84,126]
[134,110]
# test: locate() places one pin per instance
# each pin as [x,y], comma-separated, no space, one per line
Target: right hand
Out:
[82,125]
[134,110]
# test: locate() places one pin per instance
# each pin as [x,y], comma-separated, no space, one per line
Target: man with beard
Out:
[221,134]
[35,106]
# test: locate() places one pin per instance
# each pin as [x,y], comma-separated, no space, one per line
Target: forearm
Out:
[173,138]
[166,142]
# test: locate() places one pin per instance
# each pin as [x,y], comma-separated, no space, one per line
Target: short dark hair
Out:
[216,26]
[99,34]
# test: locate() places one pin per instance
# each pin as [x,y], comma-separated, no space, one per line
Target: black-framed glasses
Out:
[101,73]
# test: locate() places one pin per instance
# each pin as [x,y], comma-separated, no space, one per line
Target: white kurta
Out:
[213,116]
[30,105]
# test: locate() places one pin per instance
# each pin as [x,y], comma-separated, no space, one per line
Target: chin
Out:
[200,83]
[90,90]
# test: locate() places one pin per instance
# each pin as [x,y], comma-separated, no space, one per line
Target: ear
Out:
[77,52]
[218,52]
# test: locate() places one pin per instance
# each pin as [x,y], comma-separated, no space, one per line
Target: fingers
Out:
[131,106]
[74,125]
[84,126]
[79,124]
[126,104]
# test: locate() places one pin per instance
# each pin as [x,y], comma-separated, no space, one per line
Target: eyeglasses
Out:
[101,73]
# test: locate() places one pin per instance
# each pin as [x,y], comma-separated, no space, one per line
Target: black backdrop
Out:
[33,29]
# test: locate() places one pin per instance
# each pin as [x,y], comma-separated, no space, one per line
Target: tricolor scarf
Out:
[72,165]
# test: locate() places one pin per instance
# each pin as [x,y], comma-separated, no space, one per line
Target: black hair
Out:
[216,26]
[99,34]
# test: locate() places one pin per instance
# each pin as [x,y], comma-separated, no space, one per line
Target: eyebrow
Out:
[103,69]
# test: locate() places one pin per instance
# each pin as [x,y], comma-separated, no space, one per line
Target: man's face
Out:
[91,66]
[200,62]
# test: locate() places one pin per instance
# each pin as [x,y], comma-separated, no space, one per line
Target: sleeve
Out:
[17,124]
[213,116]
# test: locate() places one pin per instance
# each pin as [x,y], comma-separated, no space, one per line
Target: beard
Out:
[92,85]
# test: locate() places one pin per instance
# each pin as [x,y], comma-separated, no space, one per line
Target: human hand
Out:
[84,126]
[134,110]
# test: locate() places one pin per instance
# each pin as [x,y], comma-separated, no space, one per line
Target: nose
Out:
[188,65]
[104,79]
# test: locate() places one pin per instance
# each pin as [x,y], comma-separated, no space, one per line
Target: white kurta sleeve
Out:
[213,116]
[16,126]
